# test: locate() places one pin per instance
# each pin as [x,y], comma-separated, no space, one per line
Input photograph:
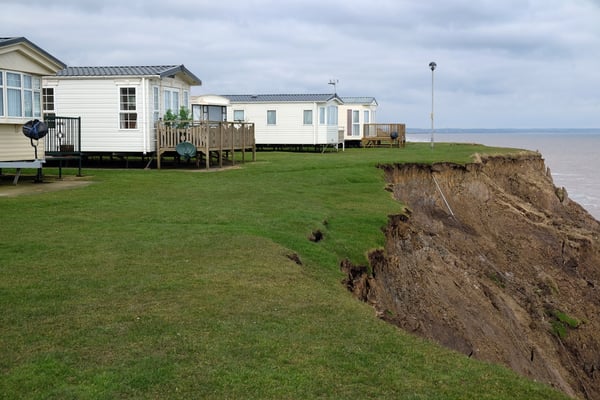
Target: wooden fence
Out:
[380,134]
[210,139]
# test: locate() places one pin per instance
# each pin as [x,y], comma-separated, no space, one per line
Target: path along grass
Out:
[178,284]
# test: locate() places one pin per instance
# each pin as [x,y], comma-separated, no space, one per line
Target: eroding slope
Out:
[494,261]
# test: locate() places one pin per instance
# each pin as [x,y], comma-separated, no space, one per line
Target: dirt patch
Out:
[493,261]
[28,186]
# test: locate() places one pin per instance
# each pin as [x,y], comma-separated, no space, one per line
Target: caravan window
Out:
[127,109]
[271,117]
[238,115]
[307,118]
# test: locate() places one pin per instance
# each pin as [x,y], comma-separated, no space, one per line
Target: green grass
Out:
[177,284]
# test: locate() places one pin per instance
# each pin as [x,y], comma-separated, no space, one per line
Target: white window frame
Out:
[355,123]
[236,115]
[48,100]
[332,115]
[1,94]
[307,117]
[128,116]
[155,103]
[271,117]
[322,116]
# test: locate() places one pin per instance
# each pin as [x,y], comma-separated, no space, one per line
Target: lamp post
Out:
[432,65]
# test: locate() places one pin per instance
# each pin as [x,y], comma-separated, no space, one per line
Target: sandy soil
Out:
[28,186]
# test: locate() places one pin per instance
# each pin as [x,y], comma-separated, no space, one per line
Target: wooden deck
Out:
[211,139]
[375,135]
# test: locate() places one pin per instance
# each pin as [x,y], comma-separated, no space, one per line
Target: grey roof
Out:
[359,100]
[155,70]
[8,41]
[280,98]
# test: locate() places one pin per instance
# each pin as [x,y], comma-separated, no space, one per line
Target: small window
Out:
[48,100]
[271,117]
[367,118]
[307,117]
[322,115]
[155,103]
[14,95]
[332,115]
[127,115]
[238,115]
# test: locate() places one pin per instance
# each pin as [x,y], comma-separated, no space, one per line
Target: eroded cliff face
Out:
[494,261]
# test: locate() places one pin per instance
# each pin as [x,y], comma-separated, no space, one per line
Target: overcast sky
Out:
[500,63]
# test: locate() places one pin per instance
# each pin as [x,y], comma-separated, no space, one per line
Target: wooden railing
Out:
[216,138]
[379,134]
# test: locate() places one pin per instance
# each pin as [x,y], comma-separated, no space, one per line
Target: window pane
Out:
[175,102]
[128,120]
[156,99]
[1,102]
[37,104]
[27,82]
[13,80]
[1,78]
[238,115]
[28,103]
[14,102]
[48,98]
[271,117]
[167,95]
[322,115]
[332,115]
[366,118]
[37,84]
[127,99]
[307,117]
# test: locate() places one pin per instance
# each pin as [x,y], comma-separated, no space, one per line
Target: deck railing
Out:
[209,138]
[377,134]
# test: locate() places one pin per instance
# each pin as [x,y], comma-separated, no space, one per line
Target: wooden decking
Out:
[393,135]
[216,139]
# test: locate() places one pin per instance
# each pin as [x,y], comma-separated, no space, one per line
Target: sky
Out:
[500,63]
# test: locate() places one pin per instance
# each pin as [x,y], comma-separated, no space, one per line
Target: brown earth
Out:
[506,269]
[27,185]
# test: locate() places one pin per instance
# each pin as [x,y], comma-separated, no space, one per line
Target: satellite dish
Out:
[35,129]
[186,150]
[394,135]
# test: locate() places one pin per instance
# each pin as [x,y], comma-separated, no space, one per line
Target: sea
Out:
[573,155]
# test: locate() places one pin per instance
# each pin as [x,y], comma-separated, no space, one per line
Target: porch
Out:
[209,138]
[375,135]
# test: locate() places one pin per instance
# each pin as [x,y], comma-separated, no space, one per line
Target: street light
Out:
[432,65]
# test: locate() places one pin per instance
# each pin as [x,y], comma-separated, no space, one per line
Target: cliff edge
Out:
[494,261]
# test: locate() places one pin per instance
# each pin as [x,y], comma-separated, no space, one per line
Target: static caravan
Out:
[289,119]
[354,113]
[209,107]
[22,66]
[119,106]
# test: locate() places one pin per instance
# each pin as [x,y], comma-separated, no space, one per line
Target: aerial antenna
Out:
[334,82]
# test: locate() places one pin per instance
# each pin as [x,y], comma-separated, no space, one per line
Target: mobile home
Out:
[22,66]
[119,105]
[289,119]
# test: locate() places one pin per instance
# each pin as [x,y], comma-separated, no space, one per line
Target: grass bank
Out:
[179,284]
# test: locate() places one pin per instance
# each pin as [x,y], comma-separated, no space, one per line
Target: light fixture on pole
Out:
[432,65]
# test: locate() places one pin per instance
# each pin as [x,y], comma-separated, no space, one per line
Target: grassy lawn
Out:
[179,284]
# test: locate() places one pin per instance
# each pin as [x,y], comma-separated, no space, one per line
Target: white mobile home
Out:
[22,66]
[289,119]
[209,107]
[118,106]
[354,113]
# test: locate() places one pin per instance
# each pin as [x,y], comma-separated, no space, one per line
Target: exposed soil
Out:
[27,184]
[506,269]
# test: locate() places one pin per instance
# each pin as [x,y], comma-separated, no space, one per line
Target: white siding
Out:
[290,128]
[97,102]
